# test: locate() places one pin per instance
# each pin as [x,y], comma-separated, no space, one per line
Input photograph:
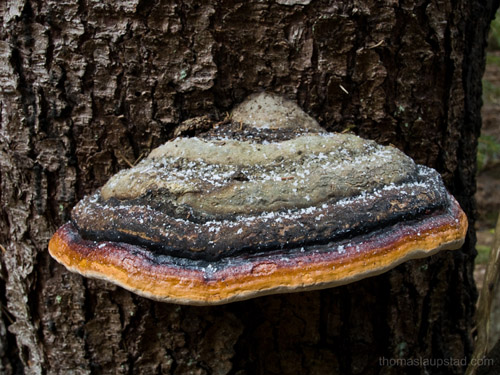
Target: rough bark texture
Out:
[87,87]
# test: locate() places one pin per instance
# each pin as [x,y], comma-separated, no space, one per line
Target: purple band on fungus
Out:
[247,209]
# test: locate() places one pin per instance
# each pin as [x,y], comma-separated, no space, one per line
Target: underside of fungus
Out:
[264,203]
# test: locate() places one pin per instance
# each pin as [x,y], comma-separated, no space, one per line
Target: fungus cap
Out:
[259,205]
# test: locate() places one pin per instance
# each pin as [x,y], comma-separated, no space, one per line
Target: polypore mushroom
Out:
[265,203]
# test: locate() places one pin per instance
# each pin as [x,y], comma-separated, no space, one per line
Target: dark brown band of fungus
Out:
[264,202]
[197,282]
[157,227]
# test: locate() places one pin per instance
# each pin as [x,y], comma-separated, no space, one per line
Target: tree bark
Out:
[89,87]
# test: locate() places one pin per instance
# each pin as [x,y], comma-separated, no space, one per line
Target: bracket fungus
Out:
[266,202]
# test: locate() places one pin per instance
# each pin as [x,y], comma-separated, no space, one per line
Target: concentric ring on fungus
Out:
[265,203]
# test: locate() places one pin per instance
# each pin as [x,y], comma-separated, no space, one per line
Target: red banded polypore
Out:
[265,203]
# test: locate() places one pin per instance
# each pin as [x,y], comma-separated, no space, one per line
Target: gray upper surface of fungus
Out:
[226,176]
[266,110]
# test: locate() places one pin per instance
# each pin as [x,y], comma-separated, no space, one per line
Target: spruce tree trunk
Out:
[88,87]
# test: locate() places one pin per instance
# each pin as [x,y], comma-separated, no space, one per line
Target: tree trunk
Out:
[88,87]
